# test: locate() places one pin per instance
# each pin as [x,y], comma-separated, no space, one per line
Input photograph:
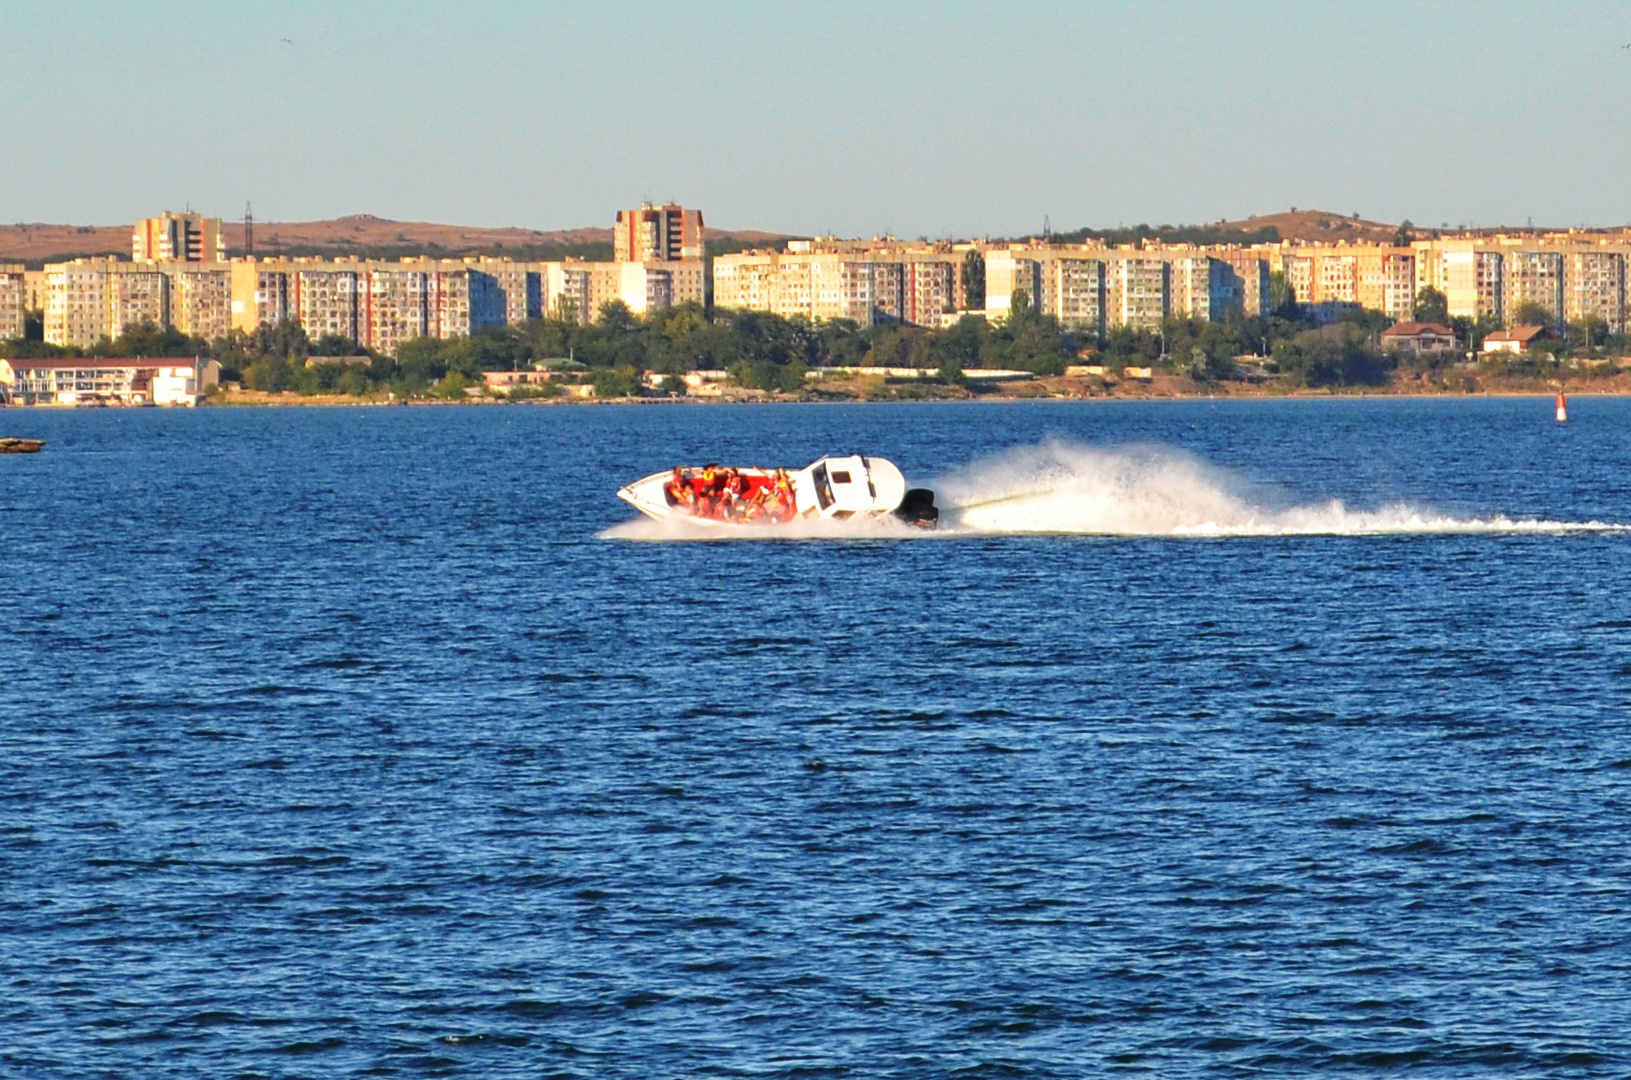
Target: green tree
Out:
[1019,306]
[616,382]
[271,374]
[284,338]
[616,317]
[336,345]
[1282,297]
[1590,331]
[973,280]
[452,387]
[1405,234]
[1432,306]
[147,340]
[420,363]
[1532,313]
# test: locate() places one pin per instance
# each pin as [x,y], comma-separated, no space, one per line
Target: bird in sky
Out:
[286,41]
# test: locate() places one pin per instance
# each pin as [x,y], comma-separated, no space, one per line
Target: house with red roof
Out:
[1516,340]
[1418,338]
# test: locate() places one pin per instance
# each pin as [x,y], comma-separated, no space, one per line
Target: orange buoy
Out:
[1562,409]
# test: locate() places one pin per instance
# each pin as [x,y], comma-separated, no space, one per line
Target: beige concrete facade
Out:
[201,300]
[1596,287]
[88,300]
[13,300]
[654,233]
[187,237]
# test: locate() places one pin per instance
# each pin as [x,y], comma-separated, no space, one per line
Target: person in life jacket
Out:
[730,495]
[678,490]
[756,505]
[710,485]
[781,500]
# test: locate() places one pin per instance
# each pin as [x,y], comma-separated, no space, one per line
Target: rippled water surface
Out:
[1212,739]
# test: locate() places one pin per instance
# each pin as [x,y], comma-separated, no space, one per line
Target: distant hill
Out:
[1318,225]
[1303,225]
[358,234]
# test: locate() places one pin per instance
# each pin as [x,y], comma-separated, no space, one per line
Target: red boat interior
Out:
[756,501]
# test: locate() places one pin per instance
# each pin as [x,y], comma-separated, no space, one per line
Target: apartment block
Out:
[13,301]
[396,308]
[171,237]
[462,302]
[1335,279]
[91,299]
[1073,292]
[137,298]
[746,282]
[1249,273]
[1009,274]
[201,300]
[521,287]
[929,289]
[1469,278]
[654,233]
[76,303]
[327,301]
[1197,288]
[1386,281]
[1532,278]
[1299,274]
[1595,282]
[1136,292]
[260,295]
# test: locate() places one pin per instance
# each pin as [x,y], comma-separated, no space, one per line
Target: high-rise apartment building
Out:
[171,237]
[1596,287]
[260,295]
[1073,293]
[201,300]
[1386,281]
[654,233]
[928,289]
[1136,292]
[1533,280]
[13,301]
[326,301]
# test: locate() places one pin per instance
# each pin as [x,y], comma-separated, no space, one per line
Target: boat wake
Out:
[672,529]
[1062,487]
[1066,488]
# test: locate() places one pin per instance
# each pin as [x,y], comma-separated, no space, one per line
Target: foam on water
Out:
[679,529]
[1064,487]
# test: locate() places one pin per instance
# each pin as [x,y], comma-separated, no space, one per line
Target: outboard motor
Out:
[918,509]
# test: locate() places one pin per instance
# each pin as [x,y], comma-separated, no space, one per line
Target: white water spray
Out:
[1062,487]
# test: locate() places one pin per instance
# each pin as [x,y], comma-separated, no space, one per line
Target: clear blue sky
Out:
[921,118]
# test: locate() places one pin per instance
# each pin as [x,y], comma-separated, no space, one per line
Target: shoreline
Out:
[1163,388]
[1171,388]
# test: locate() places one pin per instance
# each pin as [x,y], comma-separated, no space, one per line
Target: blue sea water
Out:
[1253,739]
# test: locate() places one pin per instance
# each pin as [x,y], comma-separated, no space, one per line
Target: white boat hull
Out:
[833,488]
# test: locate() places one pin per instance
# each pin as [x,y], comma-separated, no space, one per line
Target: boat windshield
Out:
[822,486]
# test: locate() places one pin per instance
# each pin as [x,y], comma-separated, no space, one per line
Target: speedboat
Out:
[830,489]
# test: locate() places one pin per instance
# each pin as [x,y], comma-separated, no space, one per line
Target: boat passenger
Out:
[730,495]
[678,491]
[782,501]
[756,506]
